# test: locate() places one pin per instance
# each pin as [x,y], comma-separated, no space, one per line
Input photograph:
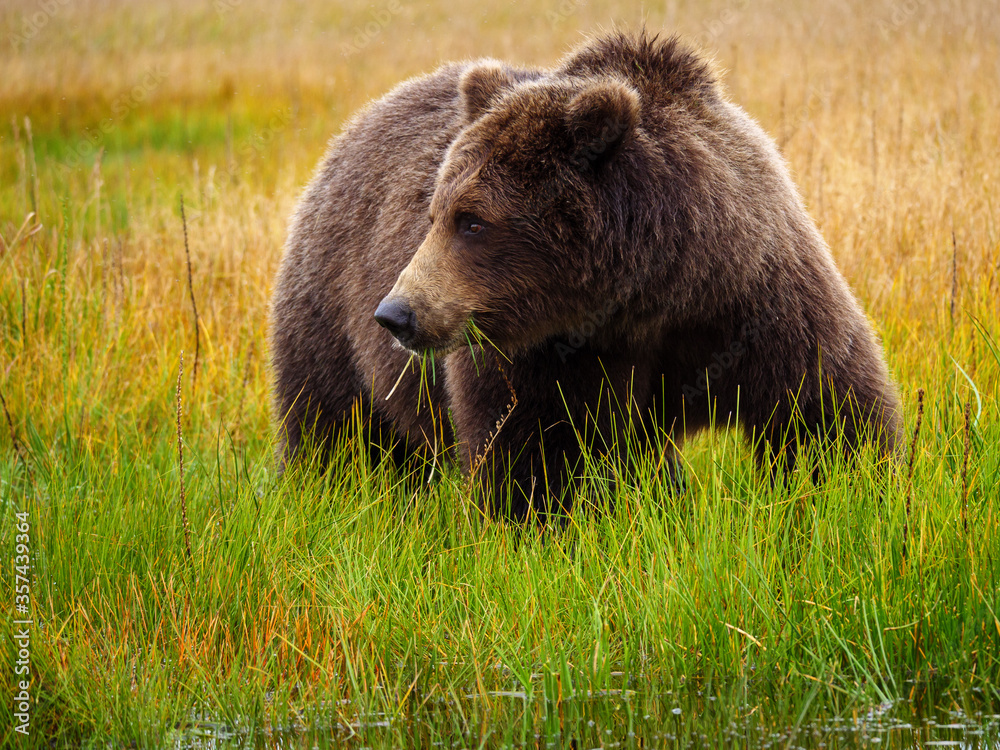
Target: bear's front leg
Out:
[524,424]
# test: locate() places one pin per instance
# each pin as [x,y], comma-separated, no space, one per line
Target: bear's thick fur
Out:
[628,238]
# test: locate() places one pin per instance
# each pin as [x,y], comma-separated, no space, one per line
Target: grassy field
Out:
[241,605]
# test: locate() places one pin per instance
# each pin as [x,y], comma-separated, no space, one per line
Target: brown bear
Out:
[628,240]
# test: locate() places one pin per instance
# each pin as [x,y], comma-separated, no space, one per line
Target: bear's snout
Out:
[396,316]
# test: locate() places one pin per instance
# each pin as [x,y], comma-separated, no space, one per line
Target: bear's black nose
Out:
[396,316]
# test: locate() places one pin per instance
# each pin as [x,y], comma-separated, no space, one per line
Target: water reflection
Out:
[693,717]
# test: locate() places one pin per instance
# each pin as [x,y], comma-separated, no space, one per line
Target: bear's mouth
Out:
[437,350]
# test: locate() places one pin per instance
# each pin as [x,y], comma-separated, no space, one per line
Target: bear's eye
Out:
[470,225]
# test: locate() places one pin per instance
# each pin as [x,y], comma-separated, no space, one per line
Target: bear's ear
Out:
[602,119]
[480,85]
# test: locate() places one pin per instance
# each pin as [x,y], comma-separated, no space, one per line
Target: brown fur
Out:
[643,260]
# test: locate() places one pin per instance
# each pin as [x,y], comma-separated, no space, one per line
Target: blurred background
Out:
[113,111]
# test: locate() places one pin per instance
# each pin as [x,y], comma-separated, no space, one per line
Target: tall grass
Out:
[345,597]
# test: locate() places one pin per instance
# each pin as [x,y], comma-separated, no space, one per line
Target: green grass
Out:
[318,588]
[322,600]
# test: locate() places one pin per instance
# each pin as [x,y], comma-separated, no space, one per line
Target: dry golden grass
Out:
[885,112]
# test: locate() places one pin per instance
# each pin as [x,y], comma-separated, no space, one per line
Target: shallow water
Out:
[692,718]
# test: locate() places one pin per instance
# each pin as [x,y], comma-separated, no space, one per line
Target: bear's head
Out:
[525,202]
